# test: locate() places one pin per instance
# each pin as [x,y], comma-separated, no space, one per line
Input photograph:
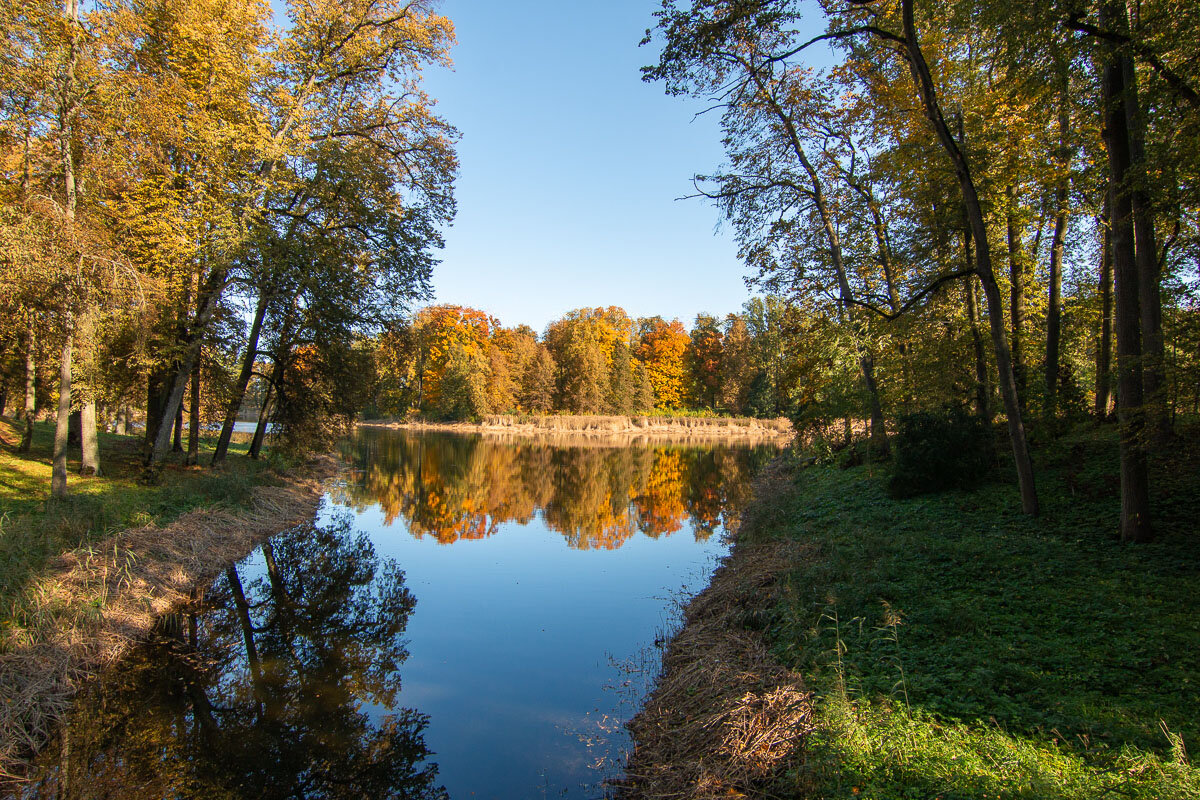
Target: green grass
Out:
[34,529]
[959,649]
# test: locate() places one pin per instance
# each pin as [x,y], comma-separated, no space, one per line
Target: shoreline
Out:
[938,638]
[723,716]
[616,427]
[114,592]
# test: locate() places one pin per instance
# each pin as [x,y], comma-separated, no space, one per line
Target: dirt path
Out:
[98,602]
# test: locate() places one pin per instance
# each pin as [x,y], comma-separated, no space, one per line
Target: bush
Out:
[939,451]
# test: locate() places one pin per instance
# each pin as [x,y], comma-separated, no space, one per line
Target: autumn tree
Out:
[661,348]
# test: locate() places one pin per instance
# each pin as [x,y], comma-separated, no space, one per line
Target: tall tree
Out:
[1131,412]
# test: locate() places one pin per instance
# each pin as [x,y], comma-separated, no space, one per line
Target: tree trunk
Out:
[1104,344]
[260,430]
[1016,272]
[1135,483]
[66,110]
[156,400]
[209,300]
[74,429]
[193,453]
[30,410]
[58,470]
[177,429]
[1158,422]
[983,261]
[866,362]
[1054,310]
[242,382]
[983,386]
[89,462]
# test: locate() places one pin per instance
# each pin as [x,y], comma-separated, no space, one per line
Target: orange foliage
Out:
[662,350]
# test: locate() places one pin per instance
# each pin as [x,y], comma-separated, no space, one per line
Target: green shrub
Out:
[939,451]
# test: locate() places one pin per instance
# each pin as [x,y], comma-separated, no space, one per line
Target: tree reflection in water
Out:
[454,487]
[262,690]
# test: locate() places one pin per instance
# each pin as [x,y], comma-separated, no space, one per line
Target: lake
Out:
[466,616]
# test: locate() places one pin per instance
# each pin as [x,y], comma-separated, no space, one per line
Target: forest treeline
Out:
[983,204]
[196,194]
[455,363]
[977,204]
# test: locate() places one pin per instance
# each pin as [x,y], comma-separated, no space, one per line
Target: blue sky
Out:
[570,169]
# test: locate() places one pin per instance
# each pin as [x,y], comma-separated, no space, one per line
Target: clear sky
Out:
[570,169]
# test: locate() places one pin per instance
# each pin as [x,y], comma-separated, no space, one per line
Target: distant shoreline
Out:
[598,426]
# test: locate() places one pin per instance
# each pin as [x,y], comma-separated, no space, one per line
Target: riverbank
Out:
[944,645]
[620,429]
[86,578]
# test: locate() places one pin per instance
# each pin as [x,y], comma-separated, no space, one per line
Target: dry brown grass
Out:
[617,429]
[724,716]
[97,602]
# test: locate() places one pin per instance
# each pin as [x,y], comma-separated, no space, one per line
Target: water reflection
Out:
[284,680]
[453,487]
[282,687]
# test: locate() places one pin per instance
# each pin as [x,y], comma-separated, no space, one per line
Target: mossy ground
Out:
[960,649]
[35,530]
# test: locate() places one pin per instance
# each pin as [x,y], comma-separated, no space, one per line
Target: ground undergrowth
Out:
[957,648]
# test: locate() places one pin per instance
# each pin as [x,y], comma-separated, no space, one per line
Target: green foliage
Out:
[320,392]
[643,392]
[761,400]
[935,452]
[959,649]
[464,386]
[620,394]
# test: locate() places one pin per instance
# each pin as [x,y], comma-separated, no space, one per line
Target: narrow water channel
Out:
[466,617]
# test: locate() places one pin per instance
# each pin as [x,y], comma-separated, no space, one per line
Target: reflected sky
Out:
[464,616]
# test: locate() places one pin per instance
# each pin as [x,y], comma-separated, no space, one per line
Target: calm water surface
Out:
[465,617]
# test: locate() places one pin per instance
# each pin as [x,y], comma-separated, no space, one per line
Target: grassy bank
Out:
[958,649]
[949,646]
[34,530]
[83,579]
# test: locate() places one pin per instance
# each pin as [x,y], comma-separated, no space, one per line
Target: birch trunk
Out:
[62,424]
[30,410]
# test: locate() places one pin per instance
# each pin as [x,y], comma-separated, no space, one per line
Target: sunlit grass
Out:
[959,649]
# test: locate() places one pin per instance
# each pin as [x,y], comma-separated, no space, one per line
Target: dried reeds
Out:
[97,602]
[616,429]
[724,715]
